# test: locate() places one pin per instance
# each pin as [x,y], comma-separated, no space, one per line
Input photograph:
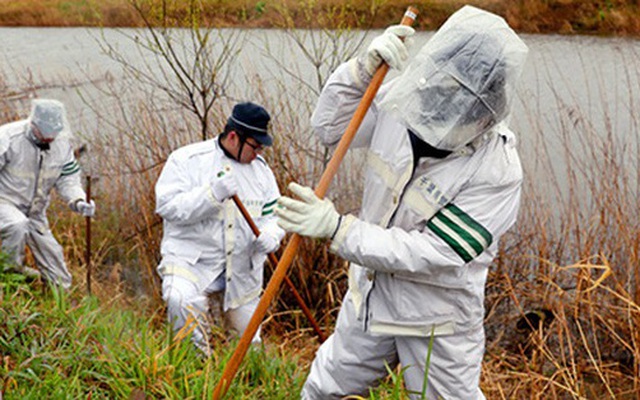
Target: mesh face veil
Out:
[461,82]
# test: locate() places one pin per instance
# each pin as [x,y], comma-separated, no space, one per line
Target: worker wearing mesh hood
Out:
[442,185]
[459,85]
[36,155]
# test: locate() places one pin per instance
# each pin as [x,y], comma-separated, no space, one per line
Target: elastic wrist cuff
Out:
[73,204]
[341,234]
[359,75]
[212,197]
[337,227]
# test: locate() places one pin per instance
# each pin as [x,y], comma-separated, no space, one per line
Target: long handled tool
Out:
[290,251]
[87,257]
[274,261]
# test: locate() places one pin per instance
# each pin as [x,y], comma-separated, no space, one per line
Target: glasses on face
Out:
[255,146]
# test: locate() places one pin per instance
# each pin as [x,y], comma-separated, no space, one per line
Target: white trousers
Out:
[351,361]
[193,309]
[18,231]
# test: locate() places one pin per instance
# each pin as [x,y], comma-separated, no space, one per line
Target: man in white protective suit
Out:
[212,263]
[36,155]
[442,185]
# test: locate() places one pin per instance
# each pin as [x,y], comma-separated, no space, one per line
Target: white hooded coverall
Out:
[27,175]
[425,237]
[207,246]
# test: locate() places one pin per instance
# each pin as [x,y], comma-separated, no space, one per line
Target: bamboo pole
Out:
[290,251]
[87,257]
[274,262]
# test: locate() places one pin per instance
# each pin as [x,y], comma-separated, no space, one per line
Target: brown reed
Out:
[563,314]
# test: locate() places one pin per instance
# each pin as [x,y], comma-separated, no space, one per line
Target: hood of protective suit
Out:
[461,82]
[49,117]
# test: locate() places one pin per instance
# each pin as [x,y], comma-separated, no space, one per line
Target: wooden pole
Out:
[87,257]
[290,251]
[274,261]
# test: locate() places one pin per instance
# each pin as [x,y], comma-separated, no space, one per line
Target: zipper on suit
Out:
[373,279]
[35,189]
[366,303]
[401,195]
[387,223]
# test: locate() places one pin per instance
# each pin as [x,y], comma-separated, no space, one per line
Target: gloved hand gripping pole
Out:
[274,262]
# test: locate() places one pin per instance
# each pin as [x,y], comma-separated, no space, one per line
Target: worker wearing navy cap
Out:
[211,261]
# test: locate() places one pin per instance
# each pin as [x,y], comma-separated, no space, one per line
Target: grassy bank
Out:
[599,17]
[66,346]
[562,299]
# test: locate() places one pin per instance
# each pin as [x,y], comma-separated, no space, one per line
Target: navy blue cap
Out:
[251,120]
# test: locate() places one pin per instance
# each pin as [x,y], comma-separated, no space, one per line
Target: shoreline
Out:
[564,17]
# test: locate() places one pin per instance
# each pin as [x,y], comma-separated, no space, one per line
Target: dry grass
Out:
[577,264]
[572,258]
[65,13]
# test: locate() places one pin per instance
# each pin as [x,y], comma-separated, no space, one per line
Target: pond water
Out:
[572,87]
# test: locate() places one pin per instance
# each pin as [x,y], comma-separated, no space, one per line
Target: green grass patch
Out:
[58,347]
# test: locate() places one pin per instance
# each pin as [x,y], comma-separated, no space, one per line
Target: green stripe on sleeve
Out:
[70,165]
[270,204]
[461,232]
[269,207]
[436,228]
[471,223]
[66,172]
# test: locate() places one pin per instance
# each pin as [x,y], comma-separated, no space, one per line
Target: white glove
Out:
[389,48]
[266,243]
[310,216]
[86,209]
[224,185]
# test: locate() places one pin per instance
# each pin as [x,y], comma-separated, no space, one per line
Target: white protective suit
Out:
[207,246]
[429,227]
[27,175]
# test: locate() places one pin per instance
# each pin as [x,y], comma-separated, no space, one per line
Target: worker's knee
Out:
[17,226]
[238,319]
[183,299]
[177,292]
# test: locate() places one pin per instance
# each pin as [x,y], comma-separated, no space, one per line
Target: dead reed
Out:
[562,300]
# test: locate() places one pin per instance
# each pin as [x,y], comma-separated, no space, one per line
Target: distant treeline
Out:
[594,17]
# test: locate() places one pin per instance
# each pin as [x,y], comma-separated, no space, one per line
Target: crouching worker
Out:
[36,155]
[211,260]
[442,185]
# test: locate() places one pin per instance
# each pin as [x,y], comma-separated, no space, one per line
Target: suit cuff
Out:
[359,74]
[341,233]
[72,204]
